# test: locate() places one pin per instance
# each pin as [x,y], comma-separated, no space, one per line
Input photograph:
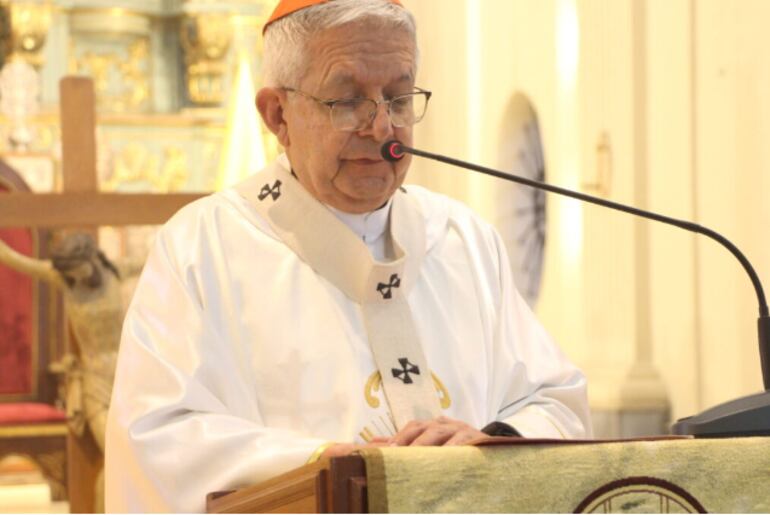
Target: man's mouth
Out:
[365,161]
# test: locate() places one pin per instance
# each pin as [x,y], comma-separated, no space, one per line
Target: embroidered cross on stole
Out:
[329,247]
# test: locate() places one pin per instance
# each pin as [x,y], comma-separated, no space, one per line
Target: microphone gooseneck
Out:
[394,150]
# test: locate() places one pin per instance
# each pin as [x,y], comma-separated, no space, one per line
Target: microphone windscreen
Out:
[392,151]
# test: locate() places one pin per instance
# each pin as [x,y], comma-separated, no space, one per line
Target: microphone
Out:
[392,151]
[745,416]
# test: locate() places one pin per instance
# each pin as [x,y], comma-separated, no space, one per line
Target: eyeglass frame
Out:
[330,103]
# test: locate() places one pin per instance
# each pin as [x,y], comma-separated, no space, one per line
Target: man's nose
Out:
[381,128]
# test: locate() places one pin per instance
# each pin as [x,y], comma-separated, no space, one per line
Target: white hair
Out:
[285,60]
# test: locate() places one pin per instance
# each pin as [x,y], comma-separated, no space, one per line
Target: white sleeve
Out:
[183,420]
[542,394]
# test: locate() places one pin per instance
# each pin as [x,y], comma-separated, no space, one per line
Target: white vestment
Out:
[238,360]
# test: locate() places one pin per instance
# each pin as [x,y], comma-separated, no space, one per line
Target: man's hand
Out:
[439,431]
[344,449]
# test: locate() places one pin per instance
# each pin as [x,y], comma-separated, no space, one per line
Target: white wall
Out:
[653,314]
[732,130]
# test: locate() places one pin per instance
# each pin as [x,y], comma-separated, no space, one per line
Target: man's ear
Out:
[270,103]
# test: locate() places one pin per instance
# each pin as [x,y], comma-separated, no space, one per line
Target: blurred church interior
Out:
[662,104]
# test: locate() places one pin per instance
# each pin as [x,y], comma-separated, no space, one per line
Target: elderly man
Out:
[320,306]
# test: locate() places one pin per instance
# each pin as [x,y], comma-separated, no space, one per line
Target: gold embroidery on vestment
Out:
[374,383]
[443,393]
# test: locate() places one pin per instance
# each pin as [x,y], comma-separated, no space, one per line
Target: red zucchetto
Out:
[286,7]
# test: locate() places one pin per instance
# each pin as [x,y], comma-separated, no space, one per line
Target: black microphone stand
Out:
[745,416]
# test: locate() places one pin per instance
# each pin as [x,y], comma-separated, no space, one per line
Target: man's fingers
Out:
[439,431]
[410,431]
[464,436]
[436,434]
[380,442]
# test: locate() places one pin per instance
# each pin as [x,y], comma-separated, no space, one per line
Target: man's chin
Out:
[363,203]
[362,192]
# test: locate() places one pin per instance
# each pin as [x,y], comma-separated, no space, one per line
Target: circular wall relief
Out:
[640,495]
[521,210]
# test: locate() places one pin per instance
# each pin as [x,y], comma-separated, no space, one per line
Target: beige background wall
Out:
[654,315]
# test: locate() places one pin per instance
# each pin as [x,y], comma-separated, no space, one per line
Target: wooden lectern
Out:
[516,475]
[336,485]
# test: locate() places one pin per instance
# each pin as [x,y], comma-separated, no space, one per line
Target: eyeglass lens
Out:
[356,114]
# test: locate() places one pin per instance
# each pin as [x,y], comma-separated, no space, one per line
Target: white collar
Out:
[367,226]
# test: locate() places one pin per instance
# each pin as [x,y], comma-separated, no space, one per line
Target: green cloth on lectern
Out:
[719,475]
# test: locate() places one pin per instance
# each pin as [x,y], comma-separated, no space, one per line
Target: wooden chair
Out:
[31,423]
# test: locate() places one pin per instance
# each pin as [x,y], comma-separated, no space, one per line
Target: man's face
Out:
[345,169]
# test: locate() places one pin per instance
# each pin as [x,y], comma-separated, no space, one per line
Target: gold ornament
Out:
[374,383]
[29,28]
[135,164]
[206,40]
[121,82]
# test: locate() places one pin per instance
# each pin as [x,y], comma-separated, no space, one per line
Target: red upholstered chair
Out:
[31,424]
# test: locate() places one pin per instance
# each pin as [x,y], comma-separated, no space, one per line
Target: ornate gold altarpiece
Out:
[163,73]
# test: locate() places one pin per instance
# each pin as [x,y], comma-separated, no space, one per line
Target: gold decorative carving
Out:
[206,40]
[112,20]
[53,465]
[374,383]
[5,32]
[136,164]
[29,29]
[121,82]
[33,430]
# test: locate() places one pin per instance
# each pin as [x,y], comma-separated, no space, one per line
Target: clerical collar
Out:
[367,226]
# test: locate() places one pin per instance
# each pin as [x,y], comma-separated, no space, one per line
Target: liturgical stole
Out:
[333,251]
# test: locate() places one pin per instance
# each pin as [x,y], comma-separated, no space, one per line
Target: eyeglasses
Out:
[355,114]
